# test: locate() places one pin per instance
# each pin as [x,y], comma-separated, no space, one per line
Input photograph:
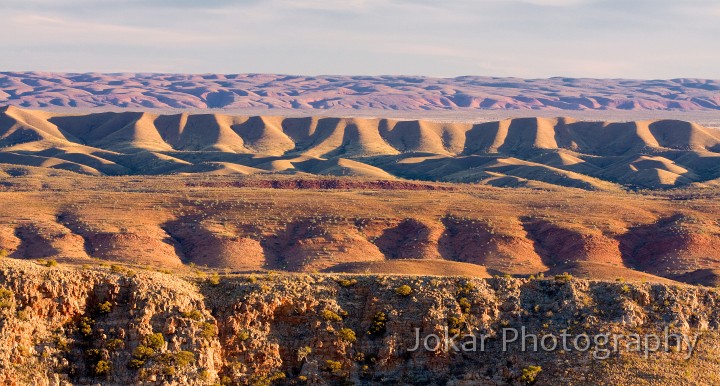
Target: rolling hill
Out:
[388,93]
[514,152]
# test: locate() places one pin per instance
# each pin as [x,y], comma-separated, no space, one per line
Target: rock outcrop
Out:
[90,325]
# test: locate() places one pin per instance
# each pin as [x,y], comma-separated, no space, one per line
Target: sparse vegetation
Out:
[85,326]
[243,335]
[105,307]
[347,335]
[465,305]
[529,374]
[147,350]
[208,331]
[333,366]
[563,278]
[404,290]
[272,223]
[194,314]
[7,298]
[378,325]
[454,325]
[114,344]
[140,355]
[347,282]
[184,358]
[214,279]
[102,368]
[155,341]
[330,316]
[303,353]
[266,380]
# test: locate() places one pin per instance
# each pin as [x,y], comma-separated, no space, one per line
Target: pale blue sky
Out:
[523,38]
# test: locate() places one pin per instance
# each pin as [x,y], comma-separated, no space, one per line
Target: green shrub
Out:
[454,325]
[204,375]
[7,298]
[184,358]
[214,279]
[114,344]
[23,314]
[347,282]
[143,352]
[193,314]
[168,370]
[105,307]
[330,316]
[62,344]
[464,305]
[102,368]
[208,330]
[51,263]
[4,253]
[529,374]
[85,325]
[377,327]
[166,358]
[266,380]
[564,278]
[404,290]
[243,335]
[347,335]
[467,287]
[136,363]
[155,341]
[333,366]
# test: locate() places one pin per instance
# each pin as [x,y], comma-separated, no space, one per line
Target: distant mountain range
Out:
[512,152]
[399,93]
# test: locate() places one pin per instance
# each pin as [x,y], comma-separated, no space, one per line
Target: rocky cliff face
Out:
[82,325]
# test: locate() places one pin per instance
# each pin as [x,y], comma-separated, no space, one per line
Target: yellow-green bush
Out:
[330,316]
[404,290]
[529,374]
[377,327]
[105,307]
[347,335]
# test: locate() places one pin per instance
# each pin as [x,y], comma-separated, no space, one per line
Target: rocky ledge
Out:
[62,325]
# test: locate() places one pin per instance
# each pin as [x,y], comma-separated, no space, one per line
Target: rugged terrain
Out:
[62,325]
[535,152]
[158,248]
[343,224]
[265,91]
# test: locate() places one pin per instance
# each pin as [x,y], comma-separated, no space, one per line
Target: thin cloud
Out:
[535,38]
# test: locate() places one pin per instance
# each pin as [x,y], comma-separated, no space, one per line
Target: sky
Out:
[645,39]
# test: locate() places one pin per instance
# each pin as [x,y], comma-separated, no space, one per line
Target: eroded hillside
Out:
[250,224]
[73,325]
[535,152]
